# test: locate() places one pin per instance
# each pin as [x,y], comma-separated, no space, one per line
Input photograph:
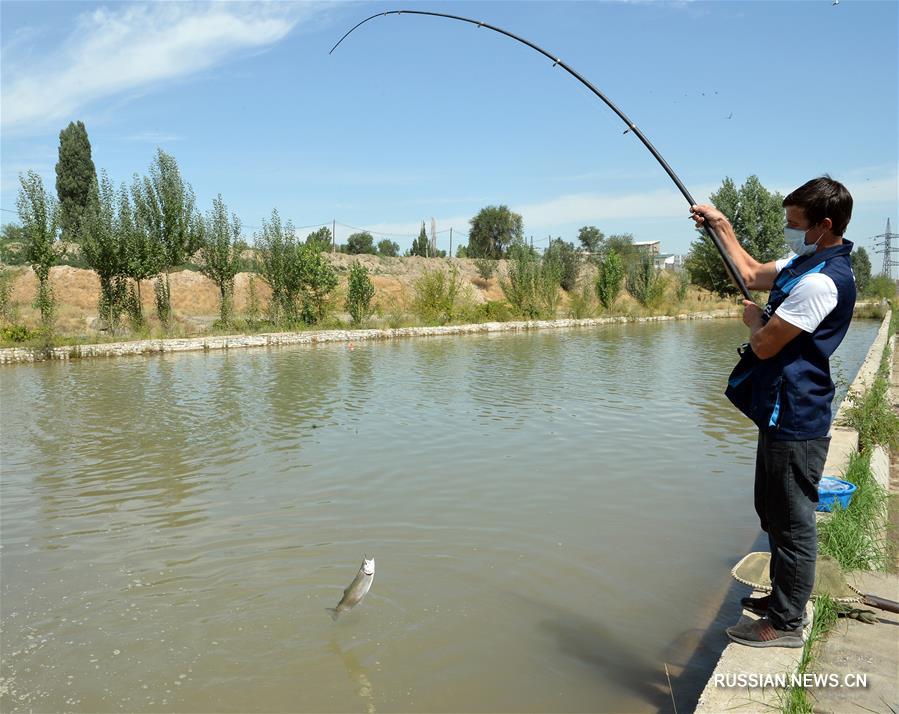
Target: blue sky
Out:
[414,117]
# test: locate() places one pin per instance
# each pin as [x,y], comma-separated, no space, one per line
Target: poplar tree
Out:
[39,215]
[142,257]
[275,244]
[75,178]
[165,207]
[103,249]
[421,245]
[220,250]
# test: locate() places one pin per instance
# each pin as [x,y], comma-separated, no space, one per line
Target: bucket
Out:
[833,490]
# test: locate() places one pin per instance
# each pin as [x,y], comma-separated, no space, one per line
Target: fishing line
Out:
[631,127]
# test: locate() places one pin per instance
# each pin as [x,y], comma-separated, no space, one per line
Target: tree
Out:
[320,239]
[359,243]
[360,291]
[421,246]
[861,266]
[608,280]
[12,244]
[882,286]
[275,244]
[644,282]
[757,216]
[568,262]
[493,230]
[102,249]
[623,244]
[388,248]
[591,239]
[317,280]
[165,207]
[39,215]
[220,250]
[143,257]
[75,177]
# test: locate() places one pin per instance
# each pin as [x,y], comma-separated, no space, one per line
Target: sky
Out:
[414,118]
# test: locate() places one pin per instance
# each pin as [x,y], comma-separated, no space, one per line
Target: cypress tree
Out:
[75,175]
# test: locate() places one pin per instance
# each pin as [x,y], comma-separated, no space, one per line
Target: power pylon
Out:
[885,247]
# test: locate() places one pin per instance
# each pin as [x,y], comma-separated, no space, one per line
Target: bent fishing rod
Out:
[728,262]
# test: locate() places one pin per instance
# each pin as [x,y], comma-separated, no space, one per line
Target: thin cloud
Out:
[111,51]
[152,137]
[589,208]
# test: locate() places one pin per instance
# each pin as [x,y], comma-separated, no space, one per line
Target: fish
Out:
[357,589]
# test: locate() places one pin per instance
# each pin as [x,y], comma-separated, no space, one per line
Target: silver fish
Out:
[357,589]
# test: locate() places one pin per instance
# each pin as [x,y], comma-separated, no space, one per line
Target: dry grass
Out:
[195,299]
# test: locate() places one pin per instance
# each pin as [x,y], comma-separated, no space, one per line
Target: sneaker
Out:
[761,633]
[759,606]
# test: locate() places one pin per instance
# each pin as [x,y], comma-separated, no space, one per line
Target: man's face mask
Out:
[796,240]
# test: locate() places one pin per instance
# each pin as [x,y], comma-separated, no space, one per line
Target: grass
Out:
[871,414]
[854,536]
[796,699]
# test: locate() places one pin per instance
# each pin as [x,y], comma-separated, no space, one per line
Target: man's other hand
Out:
[752,315]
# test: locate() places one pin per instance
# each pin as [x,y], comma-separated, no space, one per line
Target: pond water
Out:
[553,516]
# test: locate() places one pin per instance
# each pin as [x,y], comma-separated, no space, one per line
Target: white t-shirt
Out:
[812,299]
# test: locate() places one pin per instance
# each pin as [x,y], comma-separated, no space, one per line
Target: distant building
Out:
[669,261]
[652,247]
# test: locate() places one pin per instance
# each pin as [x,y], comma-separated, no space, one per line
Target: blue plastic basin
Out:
[834,490]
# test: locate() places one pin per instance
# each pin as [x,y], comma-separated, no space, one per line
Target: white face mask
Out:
[796,240]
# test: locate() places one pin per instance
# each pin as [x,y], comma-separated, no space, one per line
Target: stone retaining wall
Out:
[143,347]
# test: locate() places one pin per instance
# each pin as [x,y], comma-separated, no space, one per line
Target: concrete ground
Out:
[854,648]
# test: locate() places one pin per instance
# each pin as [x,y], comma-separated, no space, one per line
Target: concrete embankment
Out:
[144,347]
[727,688]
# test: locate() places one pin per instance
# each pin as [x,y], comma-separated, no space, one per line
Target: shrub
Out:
[489,311]
[317,281]
[568,260]
[608,279]
[581,304]
[532,286]
[438,297]
[252,311]
[9,310]
[486,268]
[15,333]
[645,284]
[360,292]
[881,286]
[683,283]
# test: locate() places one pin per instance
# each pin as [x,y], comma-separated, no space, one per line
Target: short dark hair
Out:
[822,198]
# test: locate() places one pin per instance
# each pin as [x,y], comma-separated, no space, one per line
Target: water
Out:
[553,517]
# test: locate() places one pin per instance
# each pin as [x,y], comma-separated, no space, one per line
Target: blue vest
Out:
[789,395]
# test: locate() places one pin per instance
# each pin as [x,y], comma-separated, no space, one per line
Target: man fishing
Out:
[788,389]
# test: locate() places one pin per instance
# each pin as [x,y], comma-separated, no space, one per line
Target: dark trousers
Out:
[786,494]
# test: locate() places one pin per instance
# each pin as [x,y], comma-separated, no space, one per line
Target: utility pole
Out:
[451,242]
[334,236]
[885,247]
[433,237]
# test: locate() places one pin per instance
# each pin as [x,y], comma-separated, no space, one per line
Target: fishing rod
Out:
[728,262]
